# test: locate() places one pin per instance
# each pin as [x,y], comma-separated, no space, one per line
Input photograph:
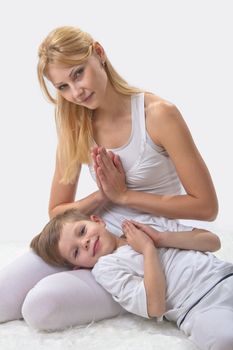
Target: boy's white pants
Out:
[210,323]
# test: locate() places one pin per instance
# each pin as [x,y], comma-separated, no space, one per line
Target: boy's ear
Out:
[97,218]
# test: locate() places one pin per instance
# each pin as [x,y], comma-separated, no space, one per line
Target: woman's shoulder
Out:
[156,105]
[159,111]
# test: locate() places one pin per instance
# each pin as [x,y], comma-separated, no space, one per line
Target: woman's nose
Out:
[77,93]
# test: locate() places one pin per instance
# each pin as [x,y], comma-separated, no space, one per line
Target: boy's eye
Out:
[75,253]
[82,231]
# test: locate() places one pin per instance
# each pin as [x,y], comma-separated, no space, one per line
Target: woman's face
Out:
[84,84]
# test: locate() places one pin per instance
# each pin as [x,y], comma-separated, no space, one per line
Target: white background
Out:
[179,49]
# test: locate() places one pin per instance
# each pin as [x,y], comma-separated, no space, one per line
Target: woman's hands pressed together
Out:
[110,174]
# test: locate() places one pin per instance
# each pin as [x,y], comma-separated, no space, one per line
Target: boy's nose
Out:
[86,243]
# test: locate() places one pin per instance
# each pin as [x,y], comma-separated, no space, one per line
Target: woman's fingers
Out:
[105,160]
[111,177]
[118,163]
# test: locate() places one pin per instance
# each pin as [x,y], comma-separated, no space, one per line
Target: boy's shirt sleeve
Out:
[126,287]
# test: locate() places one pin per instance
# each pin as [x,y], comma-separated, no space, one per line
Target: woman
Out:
[150,154]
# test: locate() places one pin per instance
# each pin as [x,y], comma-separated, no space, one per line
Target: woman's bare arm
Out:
[168,130]
[62,197]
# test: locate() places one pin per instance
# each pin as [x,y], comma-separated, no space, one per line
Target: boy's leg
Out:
[16,279]
[210,325]
[67,299]
[212,330]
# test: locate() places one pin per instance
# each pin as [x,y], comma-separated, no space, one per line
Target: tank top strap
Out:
[138,115]
[131,152]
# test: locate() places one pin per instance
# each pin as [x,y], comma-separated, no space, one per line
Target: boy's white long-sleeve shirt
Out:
[189,275]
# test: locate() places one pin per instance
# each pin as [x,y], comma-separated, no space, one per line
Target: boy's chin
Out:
[83,268]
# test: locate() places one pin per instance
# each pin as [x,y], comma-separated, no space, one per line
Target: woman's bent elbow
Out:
[53,212]
[209,212]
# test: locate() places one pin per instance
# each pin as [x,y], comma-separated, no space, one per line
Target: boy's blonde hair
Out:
[45,244]
[74,127]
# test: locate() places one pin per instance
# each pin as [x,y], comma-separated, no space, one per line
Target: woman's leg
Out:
[67,299]
[16,279]
[49,297]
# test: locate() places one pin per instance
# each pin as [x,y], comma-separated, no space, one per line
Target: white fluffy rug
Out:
[120,333]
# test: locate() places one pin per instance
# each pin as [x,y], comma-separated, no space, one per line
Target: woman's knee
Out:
[40,307]
[16,280]
[10,308]
[67,299]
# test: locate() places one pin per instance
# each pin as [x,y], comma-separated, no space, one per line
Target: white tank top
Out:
[148,168]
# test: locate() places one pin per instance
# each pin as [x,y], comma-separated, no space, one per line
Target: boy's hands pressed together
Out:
[137,238]
[196,239]
[150,231]
[154,279]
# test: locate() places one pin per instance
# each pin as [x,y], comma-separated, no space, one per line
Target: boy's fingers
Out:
[137,223]
[141,226]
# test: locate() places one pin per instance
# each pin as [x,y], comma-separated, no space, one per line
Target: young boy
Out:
[190,287]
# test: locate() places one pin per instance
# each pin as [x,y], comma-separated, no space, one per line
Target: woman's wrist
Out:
[101,199]
[123,198]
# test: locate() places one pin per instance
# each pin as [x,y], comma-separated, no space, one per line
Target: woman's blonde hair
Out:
[45,244]
[74,127]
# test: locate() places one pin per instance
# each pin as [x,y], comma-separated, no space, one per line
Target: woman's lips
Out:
[95,248]
[87,98]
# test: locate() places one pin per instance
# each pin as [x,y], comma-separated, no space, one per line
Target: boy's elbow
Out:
[156,311]
[216,243]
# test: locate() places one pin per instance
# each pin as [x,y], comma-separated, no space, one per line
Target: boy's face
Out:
[82,243]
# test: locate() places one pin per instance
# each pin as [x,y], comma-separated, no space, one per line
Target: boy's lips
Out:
[95,247]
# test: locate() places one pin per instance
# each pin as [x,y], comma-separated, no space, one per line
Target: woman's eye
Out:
[62,87]
[78,72]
